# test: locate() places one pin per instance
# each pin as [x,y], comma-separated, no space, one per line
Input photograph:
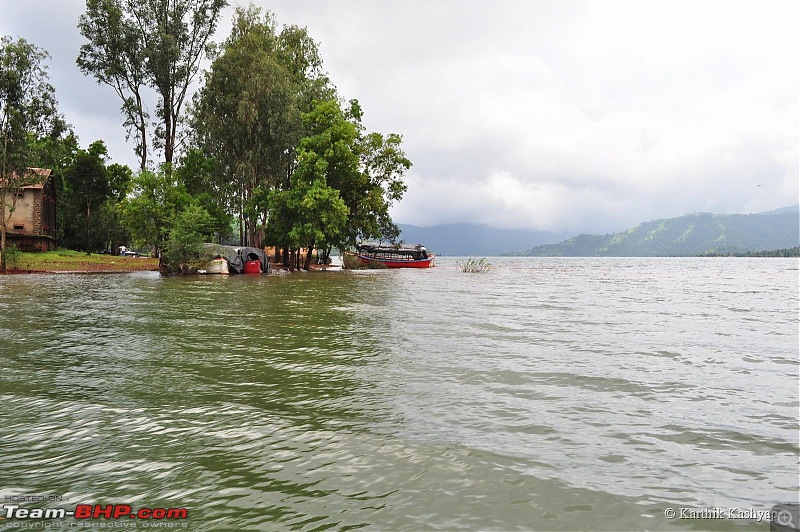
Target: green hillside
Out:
[689,235]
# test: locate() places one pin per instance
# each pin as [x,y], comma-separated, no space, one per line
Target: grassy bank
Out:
[75,261]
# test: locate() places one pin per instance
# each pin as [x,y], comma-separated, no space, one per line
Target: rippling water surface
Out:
[544,394]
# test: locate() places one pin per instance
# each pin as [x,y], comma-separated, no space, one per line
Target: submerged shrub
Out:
[474,265]
[12,256]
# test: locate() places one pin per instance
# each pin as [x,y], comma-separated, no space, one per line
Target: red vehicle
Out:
[252,266]
[394,256]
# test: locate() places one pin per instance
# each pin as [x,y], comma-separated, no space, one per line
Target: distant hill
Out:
[473,239]
[689,235]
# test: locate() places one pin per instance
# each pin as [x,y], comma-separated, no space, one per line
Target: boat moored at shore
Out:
[394,256]
[217,265]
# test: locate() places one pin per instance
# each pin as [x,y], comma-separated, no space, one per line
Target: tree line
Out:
[783,252]
[265,152]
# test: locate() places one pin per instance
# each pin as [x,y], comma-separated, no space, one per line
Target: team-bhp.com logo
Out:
[95,511]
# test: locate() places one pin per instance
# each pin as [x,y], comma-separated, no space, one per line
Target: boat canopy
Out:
[236,256]
[417,251]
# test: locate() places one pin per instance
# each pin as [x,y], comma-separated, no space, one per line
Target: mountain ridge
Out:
[690,234]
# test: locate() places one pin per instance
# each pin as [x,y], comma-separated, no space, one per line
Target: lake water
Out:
[552,394]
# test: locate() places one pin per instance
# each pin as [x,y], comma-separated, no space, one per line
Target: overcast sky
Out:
[550,115]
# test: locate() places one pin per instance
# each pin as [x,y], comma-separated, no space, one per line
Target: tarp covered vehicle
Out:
[238,257]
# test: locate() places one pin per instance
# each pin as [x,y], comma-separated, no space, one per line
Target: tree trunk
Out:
[88,225]
[169,131]
[142,127]
[307,263]
[3,196]
[251,233]
[241,228]
[3,231]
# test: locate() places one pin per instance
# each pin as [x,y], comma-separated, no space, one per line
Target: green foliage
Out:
[28,107]
[88,186]
[327,162]
[54,152]
[318,213]
[148,43]
[272,143]
[115,56]
[369,174]
[28,112]
[247,115]
[352,262]
[156,199]
[12,257]
[88,214]
[183,249]
[474,265]
[342,185]
[119,180]
[199,176]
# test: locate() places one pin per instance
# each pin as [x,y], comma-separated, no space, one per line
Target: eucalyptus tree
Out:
[247,114]
[139,44]
[116,57]
[28,112]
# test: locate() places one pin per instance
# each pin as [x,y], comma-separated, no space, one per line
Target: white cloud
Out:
[582,116]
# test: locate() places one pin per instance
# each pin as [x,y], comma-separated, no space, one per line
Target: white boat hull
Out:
[218,266]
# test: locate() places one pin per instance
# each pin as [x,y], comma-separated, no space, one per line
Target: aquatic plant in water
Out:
[472,265]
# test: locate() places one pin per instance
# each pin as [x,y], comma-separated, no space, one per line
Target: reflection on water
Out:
[544,394]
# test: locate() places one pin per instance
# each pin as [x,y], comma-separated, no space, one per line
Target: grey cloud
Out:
[580,116]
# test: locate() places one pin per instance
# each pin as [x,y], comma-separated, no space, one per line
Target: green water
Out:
[544,394]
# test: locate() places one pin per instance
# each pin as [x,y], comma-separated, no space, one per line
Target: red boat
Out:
[397,256]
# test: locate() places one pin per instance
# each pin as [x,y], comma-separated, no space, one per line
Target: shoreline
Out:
[142,265]
[32,272]
[73,262]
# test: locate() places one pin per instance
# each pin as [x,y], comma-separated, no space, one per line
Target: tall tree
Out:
[148,43]
[28,111]
[116,57]
[247,115]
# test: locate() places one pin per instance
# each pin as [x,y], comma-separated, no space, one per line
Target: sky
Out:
[550,115]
